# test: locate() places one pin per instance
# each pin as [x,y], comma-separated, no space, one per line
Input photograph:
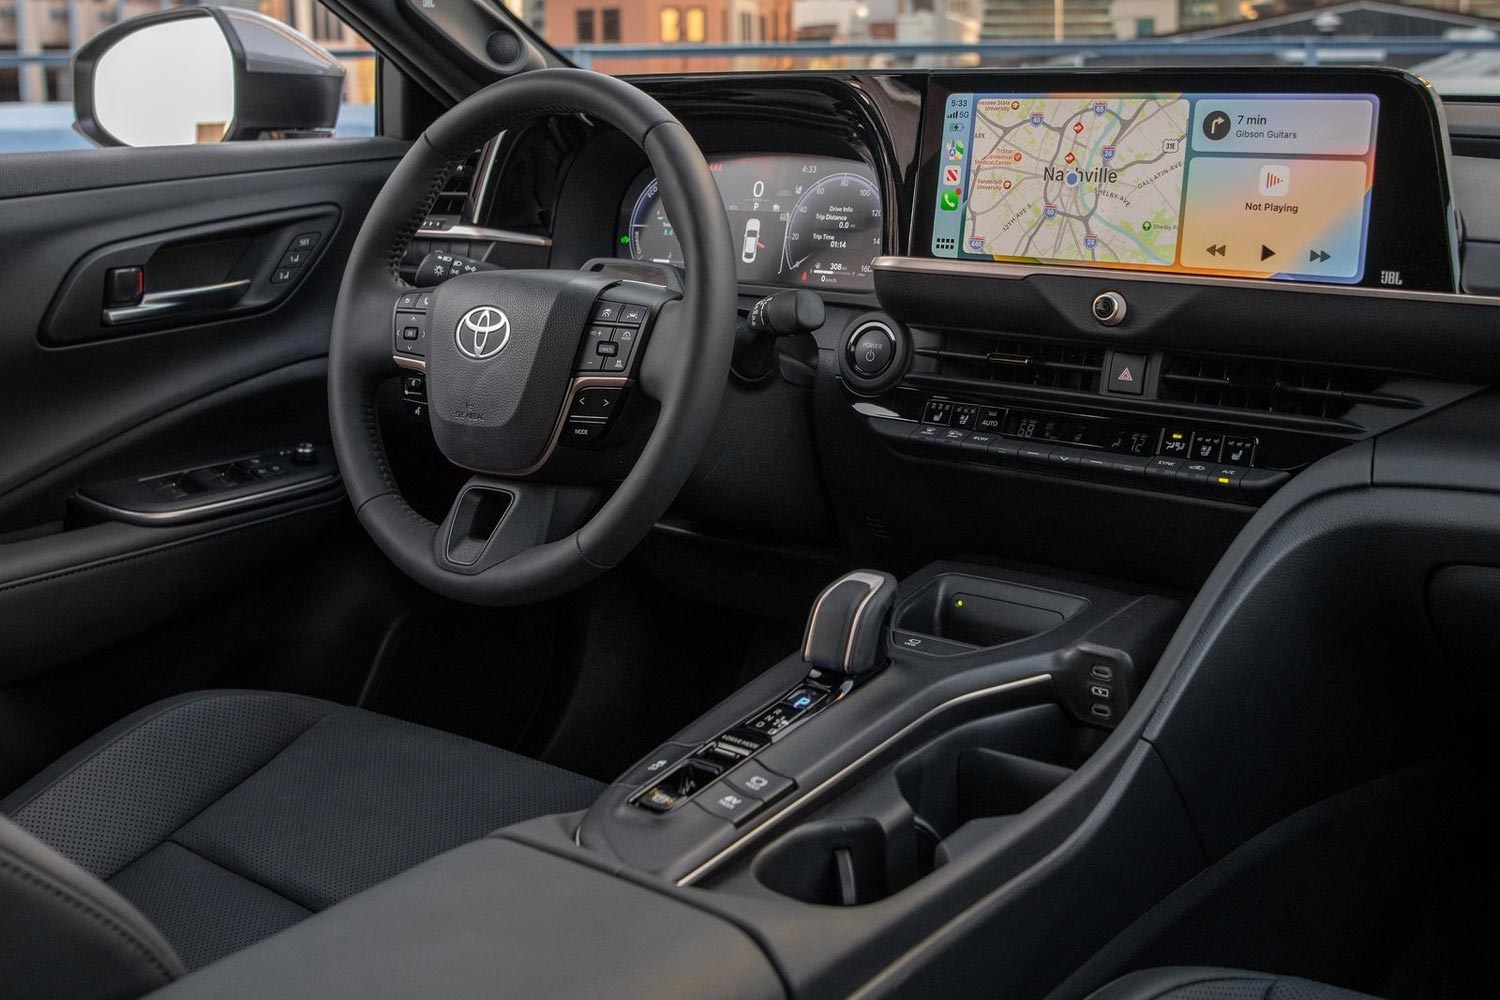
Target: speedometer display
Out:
[805,221]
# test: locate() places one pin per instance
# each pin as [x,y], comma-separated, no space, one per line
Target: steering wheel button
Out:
[607,349]
[633,315]
[407,301]
[595,401]
[607,312]
[583,430]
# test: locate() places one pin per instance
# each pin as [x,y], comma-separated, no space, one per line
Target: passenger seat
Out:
[1198,983]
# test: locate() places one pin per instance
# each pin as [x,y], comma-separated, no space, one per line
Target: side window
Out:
[39,37]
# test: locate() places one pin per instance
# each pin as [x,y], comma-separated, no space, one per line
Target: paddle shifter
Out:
[846,630]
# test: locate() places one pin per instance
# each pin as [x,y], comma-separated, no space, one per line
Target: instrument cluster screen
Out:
[1245,185]
[797,221]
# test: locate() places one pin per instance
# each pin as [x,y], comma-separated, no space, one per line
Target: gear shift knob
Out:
[846,630]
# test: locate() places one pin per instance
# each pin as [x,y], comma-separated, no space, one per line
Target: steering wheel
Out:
[512,357]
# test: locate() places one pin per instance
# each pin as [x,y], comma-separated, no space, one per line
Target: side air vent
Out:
[1273,387]
[1015,361]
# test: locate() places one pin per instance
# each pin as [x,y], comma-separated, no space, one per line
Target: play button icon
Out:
[1266,252]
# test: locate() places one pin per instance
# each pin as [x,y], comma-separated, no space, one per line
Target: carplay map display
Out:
[1077,178]
[1257,185]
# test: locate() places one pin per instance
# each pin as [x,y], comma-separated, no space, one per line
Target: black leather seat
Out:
[226,816]
[1191,983]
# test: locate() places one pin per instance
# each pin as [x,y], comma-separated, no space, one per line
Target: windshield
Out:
[1455,44]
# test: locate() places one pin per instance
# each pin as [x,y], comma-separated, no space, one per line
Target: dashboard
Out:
[798,221]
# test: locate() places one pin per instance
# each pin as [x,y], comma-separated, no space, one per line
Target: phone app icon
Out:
[949,201]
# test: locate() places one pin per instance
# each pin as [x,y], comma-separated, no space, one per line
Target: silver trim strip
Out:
[406,361]
[485,233]
[797,804]
[1012,271]
[480,187]
[176,300]
[187,513]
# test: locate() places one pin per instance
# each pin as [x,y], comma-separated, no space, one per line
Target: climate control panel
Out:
[1175,456]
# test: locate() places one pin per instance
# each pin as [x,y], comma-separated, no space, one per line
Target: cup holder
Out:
[936,804]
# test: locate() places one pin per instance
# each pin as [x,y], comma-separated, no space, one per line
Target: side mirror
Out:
[203,74]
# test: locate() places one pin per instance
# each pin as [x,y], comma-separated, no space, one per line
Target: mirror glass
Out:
[168,84]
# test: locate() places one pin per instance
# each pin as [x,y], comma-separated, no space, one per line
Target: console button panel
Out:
[720,775]
[1176,457]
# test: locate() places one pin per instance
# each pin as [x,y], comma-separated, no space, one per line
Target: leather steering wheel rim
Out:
[684,367]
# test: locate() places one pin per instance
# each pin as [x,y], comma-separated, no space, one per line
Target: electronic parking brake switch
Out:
[845,641]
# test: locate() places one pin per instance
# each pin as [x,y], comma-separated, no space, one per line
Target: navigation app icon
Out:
[1216,125]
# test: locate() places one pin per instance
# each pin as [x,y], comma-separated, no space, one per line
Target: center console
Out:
[928,715]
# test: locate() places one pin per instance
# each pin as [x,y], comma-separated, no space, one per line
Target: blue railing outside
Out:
[1299,50]
[48,126]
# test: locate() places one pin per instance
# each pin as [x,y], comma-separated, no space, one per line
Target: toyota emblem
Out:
[483,332]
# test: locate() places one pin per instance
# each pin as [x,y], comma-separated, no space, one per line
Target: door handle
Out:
[178,300]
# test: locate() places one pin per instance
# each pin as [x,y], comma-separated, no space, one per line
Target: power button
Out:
[872,349]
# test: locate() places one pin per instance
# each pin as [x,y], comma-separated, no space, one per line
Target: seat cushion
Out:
[1187,983]
[226,816]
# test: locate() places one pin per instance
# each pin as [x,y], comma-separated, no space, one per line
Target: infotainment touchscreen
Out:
[1257,185]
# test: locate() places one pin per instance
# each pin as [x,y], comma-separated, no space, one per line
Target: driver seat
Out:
[201,824]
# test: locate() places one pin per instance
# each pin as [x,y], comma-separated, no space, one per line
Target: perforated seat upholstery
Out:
[1185,983]
[227,816]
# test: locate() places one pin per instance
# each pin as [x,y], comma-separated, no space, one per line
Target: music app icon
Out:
[1275,180]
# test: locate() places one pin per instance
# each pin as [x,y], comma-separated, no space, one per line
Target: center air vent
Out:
[1014,361]
[1273,387]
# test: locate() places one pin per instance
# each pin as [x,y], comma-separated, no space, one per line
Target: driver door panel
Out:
[91,403]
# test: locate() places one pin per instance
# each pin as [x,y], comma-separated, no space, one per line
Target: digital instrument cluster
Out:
[797,221]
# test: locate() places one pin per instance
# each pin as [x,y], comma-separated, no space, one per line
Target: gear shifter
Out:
[846,630]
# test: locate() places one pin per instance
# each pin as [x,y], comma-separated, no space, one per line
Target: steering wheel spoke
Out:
[494,519]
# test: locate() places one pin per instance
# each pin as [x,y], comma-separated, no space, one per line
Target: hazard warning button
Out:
[1127,373]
